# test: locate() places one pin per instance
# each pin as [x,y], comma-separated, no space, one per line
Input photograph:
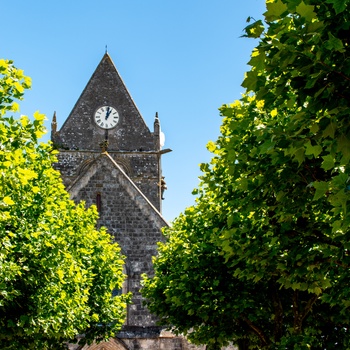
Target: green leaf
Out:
[315,27]
[328,162]
[266,146]
[344,147]
[280,195]
[321,189]
[312,150]
[254,30]
[330,130]
[250,80]
[316,290]
[340,199]
[243,183]
[257,60]
[338,5]
[299,155]
[334,44]
[339,181]
[306,11]
[314,128]
[275,10]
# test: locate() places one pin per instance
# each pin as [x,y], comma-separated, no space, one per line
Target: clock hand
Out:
[108,112]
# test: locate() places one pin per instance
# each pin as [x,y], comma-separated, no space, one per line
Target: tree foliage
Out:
[57,272]
[263,257]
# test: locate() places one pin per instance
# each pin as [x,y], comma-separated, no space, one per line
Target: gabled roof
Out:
[105,87]
[118,174]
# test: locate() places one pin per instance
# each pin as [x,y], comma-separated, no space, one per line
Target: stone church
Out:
[110,158]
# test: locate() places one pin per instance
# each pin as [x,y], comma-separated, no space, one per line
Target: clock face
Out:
[106,117]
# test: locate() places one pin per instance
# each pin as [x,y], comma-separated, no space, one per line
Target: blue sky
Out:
[182,59]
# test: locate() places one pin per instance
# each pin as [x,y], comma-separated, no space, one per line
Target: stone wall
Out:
[143,168]
[131,220]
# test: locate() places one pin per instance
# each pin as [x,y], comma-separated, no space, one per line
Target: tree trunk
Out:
[243,344]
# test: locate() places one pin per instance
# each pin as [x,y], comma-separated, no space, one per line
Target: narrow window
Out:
[98,202]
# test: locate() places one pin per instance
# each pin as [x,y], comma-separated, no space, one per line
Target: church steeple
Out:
[106,117]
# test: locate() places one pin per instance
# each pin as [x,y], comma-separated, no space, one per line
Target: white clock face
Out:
[106,117]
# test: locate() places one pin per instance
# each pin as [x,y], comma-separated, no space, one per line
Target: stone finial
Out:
[54,123]
[156,124]
[156,132]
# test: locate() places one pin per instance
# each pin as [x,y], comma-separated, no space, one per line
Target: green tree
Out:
[57,272]
[263,257]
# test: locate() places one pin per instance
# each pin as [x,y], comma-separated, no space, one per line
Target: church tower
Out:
[110,158]
[106,117]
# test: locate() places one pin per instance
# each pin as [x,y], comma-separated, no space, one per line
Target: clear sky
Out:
[182,59]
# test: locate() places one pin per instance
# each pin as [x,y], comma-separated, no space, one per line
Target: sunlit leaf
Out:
[275,10]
